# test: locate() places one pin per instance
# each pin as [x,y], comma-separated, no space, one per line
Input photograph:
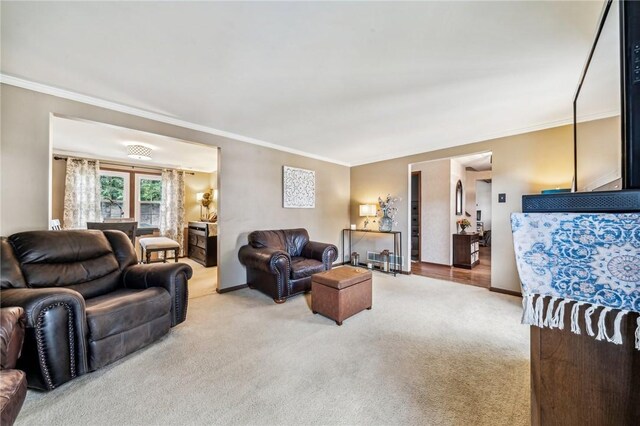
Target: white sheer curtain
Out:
[81,193]
[172,206]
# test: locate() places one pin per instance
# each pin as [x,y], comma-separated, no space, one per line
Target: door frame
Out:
[419,174]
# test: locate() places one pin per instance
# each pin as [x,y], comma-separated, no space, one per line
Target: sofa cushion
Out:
[302,267]
[105,351]
[10,273]
[79,259]
[270,239]
[296,240]
[291,241]
[124,310]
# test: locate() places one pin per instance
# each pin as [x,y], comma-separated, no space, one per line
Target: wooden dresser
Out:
[466,250]
[203,247]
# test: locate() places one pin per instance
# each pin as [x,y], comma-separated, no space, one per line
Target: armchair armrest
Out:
[325,253]
[11,336]
[268,269]
[171,276]
[265,259]
[54,350]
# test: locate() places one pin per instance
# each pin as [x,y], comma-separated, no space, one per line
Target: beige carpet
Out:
[429,353]
[204,280]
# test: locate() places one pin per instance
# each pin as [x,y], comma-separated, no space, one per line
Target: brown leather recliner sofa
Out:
[13,383]
[87,301]
[280,263]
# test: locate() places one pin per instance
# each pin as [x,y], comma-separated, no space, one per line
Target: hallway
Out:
[480,276]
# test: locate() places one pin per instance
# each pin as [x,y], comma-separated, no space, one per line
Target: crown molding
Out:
[66,94]
[90,100]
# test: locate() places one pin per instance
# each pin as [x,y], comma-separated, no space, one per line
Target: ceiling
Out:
[480,162]
[477,162]
[89,139]
[351,82]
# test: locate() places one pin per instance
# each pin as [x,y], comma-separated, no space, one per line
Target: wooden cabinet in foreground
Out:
[466,250]
[203,243]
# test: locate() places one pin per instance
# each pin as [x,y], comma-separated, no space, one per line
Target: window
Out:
[115,194]
[148,197]
[143,204]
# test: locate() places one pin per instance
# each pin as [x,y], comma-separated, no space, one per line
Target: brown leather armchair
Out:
[280,263]
[87,301]
[13,383]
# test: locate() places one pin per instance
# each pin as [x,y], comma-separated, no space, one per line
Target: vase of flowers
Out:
[388,212]
[463,224]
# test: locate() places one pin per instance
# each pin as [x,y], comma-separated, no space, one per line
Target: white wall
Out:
[483,202]
[250,177]
[598,155]
[472,177]
[522,164]
[435,238]
[197,182]
[458,173]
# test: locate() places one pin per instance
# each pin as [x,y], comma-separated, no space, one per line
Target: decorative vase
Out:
[463,229]
[386,223]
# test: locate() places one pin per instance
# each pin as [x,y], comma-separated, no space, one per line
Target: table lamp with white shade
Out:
[367,211]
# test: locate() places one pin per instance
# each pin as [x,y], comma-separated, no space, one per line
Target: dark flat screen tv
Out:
[606,121]
[607,104]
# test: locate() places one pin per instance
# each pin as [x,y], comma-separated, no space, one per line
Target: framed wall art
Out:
[299,188]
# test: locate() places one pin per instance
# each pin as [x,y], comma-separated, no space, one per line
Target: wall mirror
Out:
[459,198]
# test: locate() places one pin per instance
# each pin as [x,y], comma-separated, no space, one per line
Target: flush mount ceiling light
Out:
[139,152]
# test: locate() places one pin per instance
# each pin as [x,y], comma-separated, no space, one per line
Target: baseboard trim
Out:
[228,289]
[362,265]
[432,263]
[504,291]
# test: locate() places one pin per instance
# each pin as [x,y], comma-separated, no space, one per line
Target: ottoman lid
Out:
[343,277]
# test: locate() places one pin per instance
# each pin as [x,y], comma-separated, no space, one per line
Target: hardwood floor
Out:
[479,276]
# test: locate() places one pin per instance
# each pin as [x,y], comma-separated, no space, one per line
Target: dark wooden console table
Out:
[395,267]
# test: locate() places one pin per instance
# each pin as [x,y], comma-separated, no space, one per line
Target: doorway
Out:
[131,176]
[416,190]
[446,194]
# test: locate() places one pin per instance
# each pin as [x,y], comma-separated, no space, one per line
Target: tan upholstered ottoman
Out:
[341,292]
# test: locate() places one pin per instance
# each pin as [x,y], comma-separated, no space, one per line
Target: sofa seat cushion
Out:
[302,267]
[125,309]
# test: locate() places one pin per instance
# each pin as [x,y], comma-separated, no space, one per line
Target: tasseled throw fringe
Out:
[617,333]
[538,314]
[587,320]
[552,317]
[575,313]
[548,320]
[527,309]
[602,327]
[558,319]
[555,319]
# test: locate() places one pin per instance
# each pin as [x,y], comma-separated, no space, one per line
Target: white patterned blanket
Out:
[587,259]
